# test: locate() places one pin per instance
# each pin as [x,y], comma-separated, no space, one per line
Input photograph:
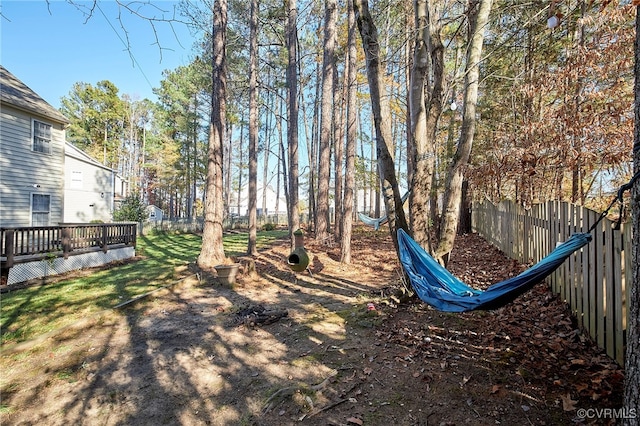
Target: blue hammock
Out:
[373,221]
[376,222]
[440,289]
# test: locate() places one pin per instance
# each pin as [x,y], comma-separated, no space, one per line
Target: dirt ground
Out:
[194,354]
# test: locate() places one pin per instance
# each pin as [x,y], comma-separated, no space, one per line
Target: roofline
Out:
[31,112]
[83,156]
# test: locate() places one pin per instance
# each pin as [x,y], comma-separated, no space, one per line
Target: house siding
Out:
[21,168]
[90,199]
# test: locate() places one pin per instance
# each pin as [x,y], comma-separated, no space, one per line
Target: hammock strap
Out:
[619,198]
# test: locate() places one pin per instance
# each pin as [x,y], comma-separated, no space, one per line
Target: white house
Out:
[32,139]
[155,213]
[89,190]
[266,196]
[43,182]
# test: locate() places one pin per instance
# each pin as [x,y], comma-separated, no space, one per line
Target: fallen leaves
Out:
[522,359]
[464,381]
[568,404]
[532,344]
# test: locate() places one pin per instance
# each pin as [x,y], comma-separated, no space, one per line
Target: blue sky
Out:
[51,47]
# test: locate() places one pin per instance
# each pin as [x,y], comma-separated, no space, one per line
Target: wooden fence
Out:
[593,281]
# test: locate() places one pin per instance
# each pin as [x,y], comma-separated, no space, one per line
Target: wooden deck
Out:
[32,243]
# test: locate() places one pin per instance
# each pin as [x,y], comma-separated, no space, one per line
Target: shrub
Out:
[268,226]
[131,210]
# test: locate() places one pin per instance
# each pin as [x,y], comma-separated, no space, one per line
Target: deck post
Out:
[134,234]
[8,248]
[66,241]
[105,236]
[8,252]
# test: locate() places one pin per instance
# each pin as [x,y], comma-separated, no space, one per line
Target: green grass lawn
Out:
[33,311]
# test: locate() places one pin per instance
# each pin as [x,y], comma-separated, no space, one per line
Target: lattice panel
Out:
[32,270]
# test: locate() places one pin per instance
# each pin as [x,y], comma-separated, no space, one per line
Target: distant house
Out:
[240,207]
[32,139]
[155,213]
[89,189]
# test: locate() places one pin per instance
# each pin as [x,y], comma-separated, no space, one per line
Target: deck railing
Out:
[25,244]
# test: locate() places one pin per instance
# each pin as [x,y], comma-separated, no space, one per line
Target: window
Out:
[40,209]
[41,137]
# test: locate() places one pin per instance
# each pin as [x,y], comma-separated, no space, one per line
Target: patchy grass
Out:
[36,310]
[236,244]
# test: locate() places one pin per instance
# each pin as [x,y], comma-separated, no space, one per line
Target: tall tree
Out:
[212,251]
[340,96]
[98,118]
[181,116]
[253,128]
[632,360]
[479,17]
[351,114]
[381,117]
[326,119]
[292,127]
[425,107]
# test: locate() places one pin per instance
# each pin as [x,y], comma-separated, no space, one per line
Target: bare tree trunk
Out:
[365,178]
[375,176]
[212,251]
[240,163]
[479,10]
[632,360]
[227,168]
[267,147]
[313,155]
[381,115]
[292,127]
[309,138]
[425,108]
[282,164]
[326,119]
[351,117]
[410,146]
[194,168]
[341,99]
[253,129]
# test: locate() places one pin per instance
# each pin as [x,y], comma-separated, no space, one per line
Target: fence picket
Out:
[609,291]
[576,276]
[618,309]
[562,236]
[593,282]
[628,271]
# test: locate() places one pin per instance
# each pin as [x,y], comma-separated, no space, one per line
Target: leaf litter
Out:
[185,357]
